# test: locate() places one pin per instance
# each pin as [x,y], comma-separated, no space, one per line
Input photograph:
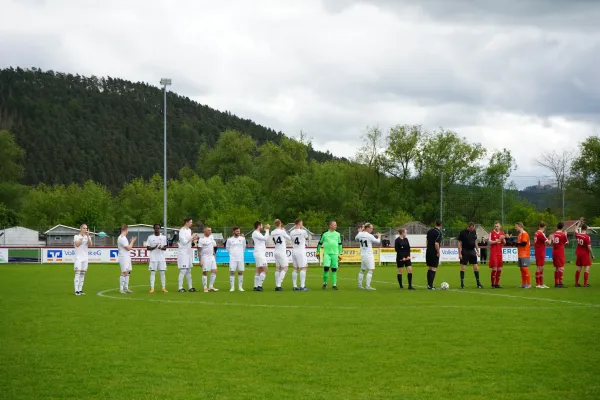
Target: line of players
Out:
[467,247]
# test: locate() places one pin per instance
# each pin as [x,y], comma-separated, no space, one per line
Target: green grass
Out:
[508,344]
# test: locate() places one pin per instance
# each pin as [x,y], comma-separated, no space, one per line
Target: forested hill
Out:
[74,128]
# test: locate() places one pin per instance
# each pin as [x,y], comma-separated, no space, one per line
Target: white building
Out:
[20,236]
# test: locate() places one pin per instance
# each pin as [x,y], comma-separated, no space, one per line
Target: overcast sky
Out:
[516,74]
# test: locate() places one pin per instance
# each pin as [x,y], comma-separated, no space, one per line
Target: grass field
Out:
[471,344]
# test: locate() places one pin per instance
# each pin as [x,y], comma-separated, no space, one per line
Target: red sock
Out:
[541,278]
[493,277]
[537,278]
[556,277]
[560,276]
[577,275]
[498,273]
[586,276]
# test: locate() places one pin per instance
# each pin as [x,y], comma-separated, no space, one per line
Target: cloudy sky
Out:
[517,74]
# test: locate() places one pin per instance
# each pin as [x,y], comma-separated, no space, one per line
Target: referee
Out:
[432,254]
[468,251]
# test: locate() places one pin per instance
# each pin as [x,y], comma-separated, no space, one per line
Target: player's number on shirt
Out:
[277,240]
[557,240]
[297,241]
[364,243]
[580,242]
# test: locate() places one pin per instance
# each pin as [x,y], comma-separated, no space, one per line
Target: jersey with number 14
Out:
[299,237]
[279,238]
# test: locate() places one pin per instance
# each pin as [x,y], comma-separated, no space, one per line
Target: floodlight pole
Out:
[165,82]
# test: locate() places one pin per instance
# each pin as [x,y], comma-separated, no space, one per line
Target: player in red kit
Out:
[584,255]
[496,241]
[559,239]
[539,242]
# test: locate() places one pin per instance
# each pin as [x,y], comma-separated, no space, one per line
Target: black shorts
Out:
[403,263]
[469,256]
[431,259]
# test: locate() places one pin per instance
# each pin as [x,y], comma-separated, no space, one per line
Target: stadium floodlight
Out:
[165,82]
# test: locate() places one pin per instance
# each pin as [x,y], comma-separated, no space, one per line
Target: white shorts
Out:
[367,262]
[185,260]
[157,265]
[236,266]
[299,260]
[281,260]
[208,263]
[81,265]
[261,259]
[125,264]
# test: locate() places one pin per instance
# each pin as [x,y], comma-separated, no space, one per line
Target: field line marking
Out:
[103,293]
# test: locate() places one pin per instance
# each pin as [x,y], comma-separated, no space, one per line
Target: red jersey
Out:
[559,241]
[583,241]
[539,240]
[496,248]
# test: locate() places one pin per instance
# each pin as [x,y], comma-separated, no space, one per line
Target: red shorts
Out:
[495,261]
[558,260]
[583,260]
[540,258]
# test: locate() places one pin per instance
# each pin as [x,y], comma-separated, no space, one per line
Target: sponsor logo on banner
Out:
[449,254]
[113,255]
[54,255]
[3,256]
[510,254]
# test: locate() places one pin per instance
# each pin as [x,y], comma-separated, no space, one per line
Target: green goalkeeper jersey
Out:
[331,243]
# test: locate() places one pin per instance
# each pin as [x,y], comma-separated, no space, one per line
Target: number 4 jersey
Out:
[299,237]
[366,241]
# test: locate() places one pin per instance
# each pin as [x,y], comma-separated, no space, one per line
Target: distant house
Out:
[20,236]
[481,232]
[415,228]
[62,235]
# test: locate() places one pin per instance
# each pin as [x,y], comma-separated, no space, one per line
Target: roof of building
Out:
[63,230]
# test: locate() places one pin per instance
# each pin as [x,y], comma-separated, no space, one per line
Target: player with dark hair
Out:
[432,254]
[156,246]
[584,255]
[260,254]
[331,242]
[402,247]
[539,242]
[523,255]
[559,240]
[236,245]
[468,251]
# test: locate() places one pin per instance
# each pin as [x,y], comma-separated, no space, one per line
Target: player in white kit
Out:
[156,246]
[236,245]
[81,241]
[185,254]
[299,261]
[208,262]
[367,260]
[280,236]
[260,257]
[125,246]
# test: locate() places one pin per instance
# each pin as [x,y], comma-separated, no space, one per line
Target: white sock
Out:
[302,278]
[295,278]
[163,280]
[240,281]
[232,281]
[152,279]
[277,278]
[261,278]
[81,279]
[181,275]
[127,282]
[213,276]
[369,277]
[122,282]
[256,280]
[281,277]
[188,275]
[361,276]
[76,281]
[204,281]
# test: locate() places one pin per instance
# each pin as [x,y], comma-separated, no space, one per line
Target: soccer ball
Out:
[444,286]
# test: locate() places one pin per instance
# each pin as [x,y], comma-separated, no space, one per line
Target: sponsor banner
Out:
[223,256]
[548,254]
[3,256]
[107,255]
[449,254]
[352,255]
[142,255]
[510,254]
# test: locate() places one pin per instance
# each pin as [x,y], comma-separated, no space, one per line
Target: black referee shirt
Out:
[433,235]
[402,248]
[468,239]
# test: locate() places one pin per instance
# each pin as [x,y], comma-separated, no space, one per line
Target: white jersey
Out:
[299,237]
[185,241]
[260,241]
[235,246]
[121,243]
[366,241]
[157,255]
[207,246]
[279,238]
[81,252]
